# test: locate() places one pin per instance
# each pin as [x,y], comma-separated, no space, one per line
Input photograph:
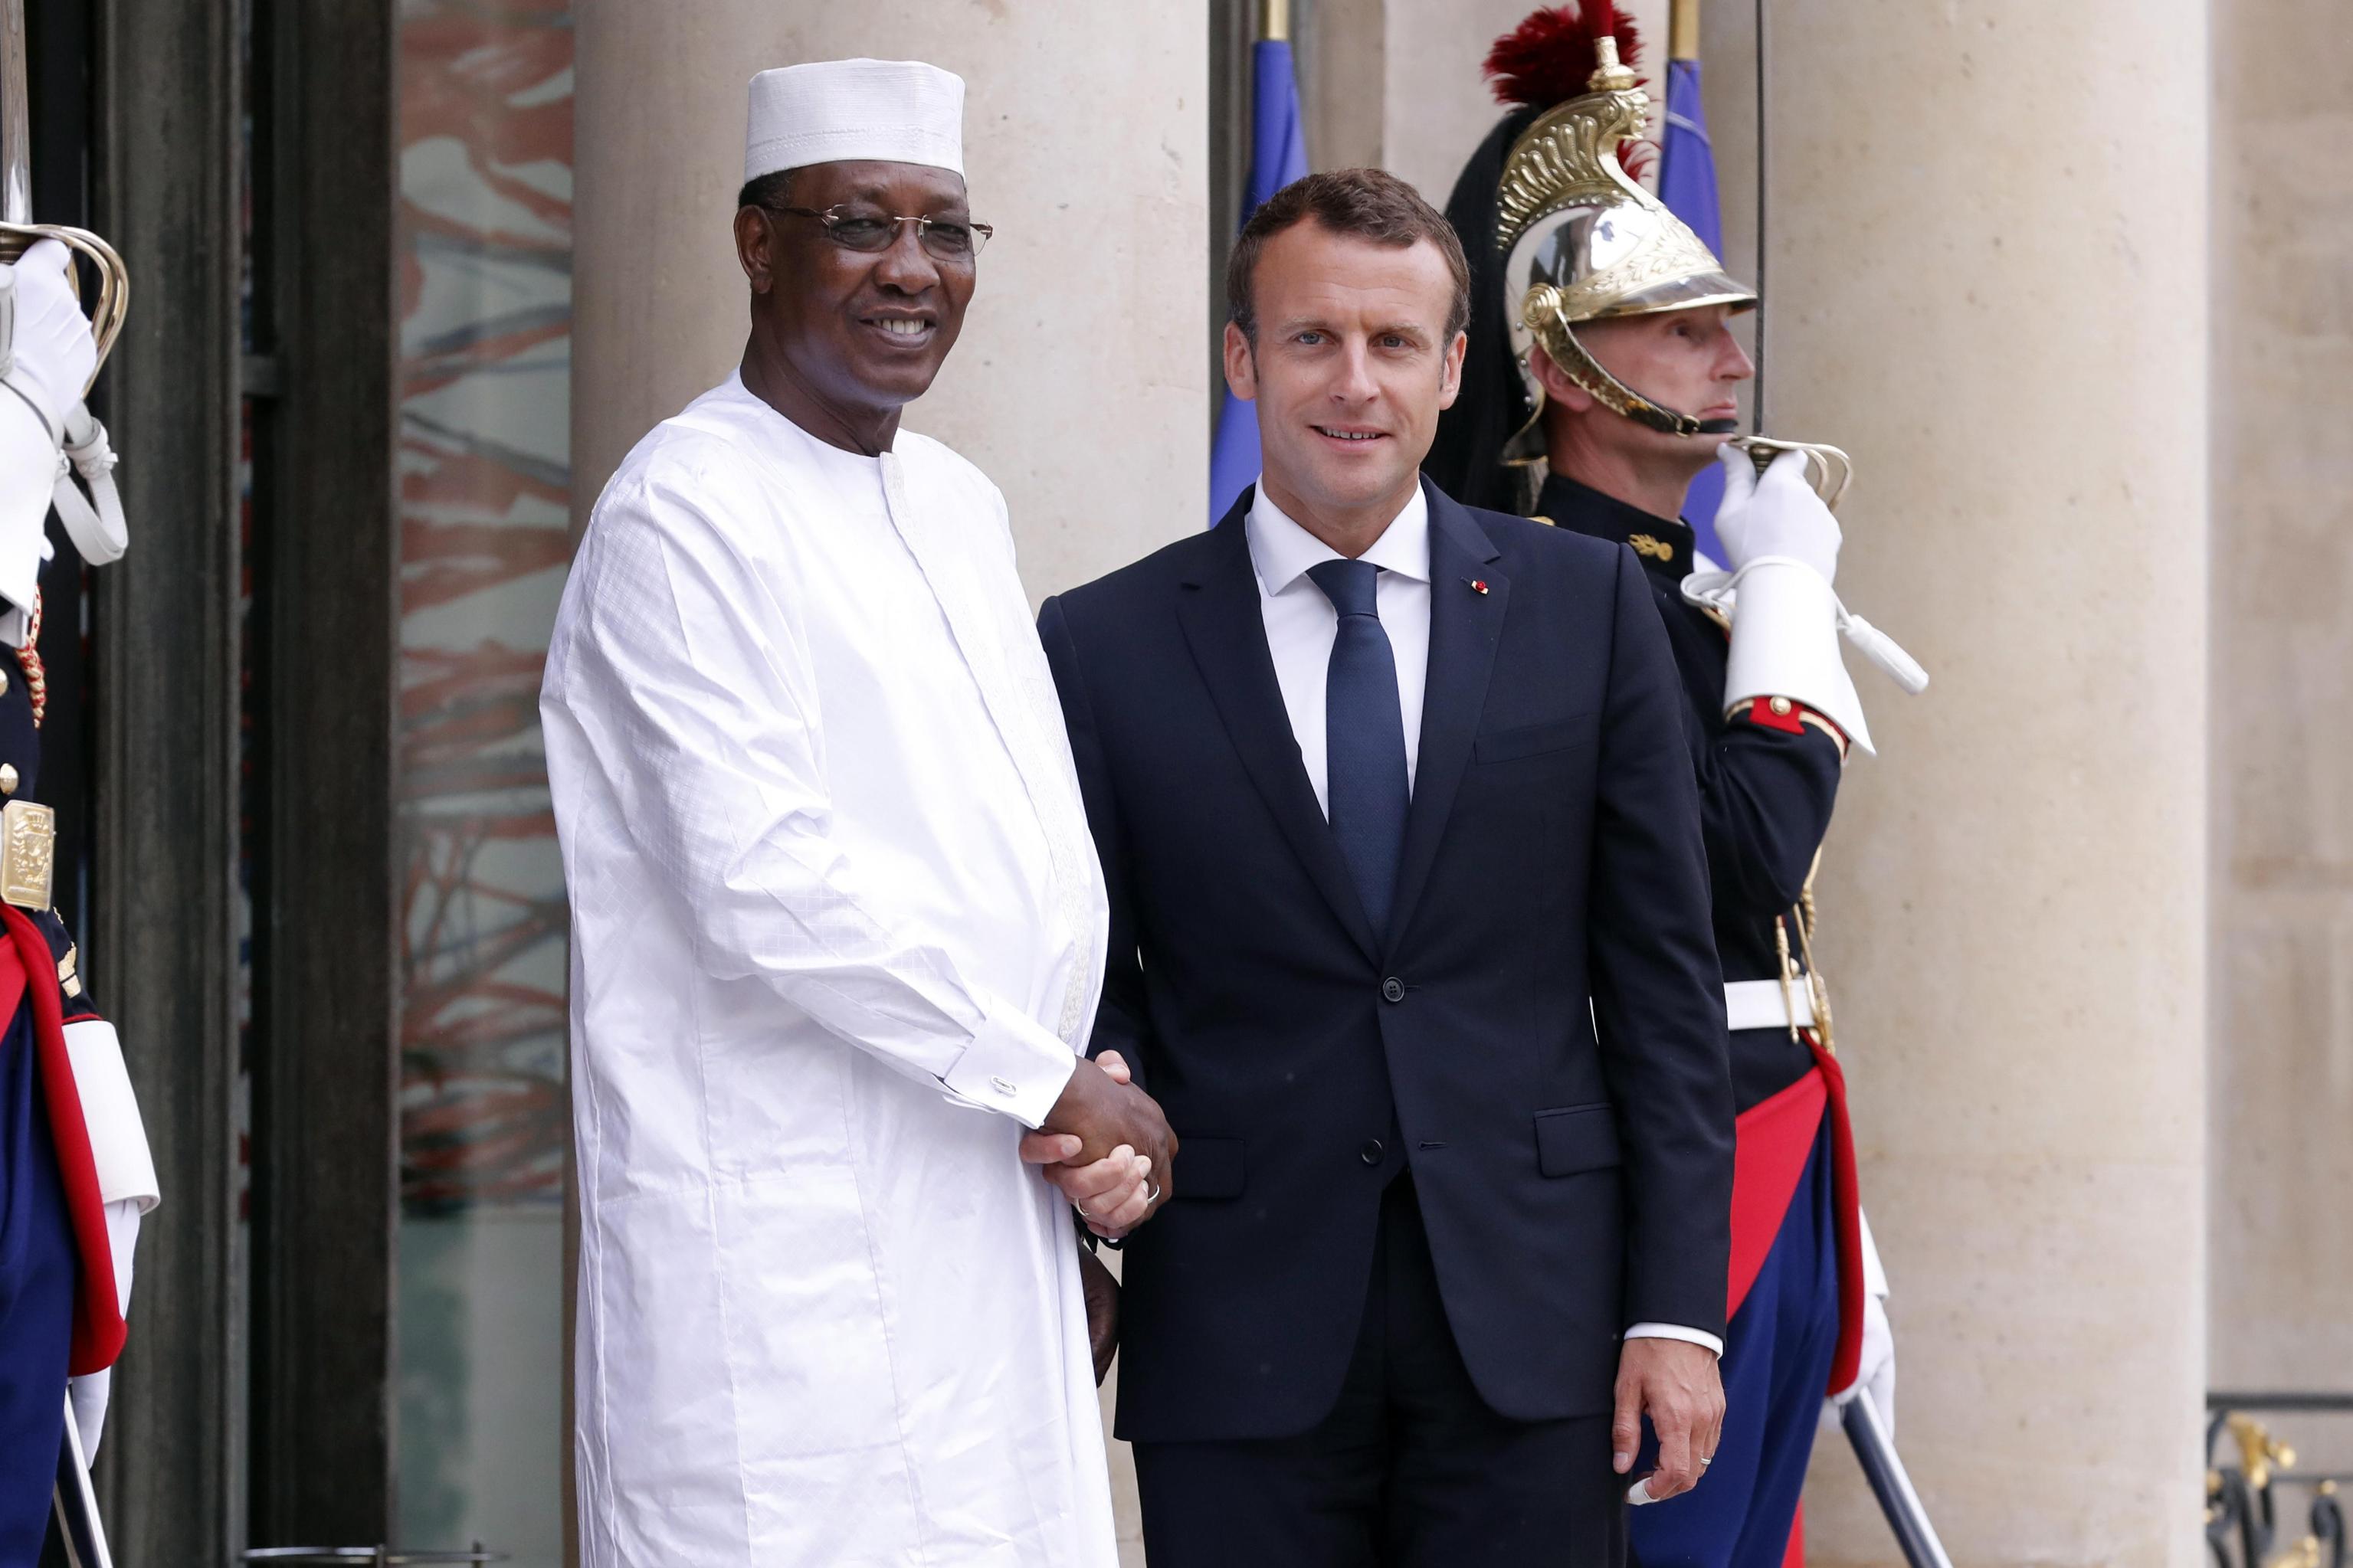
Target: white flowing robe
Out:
[838,930]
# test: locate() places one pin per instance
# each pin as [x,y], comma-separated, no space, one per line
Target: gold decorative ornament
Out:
[1656,549]
[1683,30]
[2259,1451]
[29,660]
[8,778]
[28,835]
[1584,242]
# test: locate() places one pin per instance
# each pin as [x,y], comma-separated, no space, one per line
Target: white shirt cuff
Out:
[1677,1332]
[1014,1065]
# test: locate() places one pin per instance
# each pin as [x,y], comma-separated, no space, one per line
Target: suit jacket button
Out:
[1371,1152]
[1392,989]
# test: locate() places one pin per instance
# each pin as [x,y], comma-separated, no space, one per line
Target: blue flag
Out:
[1687,184]
[1278,157]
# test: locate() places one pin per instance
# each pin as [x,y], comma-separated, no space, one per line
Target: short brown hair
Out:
[1370,204]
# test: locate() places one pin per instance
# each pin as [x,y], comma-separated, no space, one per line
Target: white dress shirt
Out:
[838,934]
[1301,626]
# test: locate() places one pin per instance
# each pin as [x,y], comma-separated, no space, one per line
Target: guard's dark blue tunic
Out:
[39,1265]
[1766,795]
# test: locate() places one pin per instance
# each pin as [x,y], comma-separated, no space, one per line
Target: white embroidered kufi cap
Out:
[832,112]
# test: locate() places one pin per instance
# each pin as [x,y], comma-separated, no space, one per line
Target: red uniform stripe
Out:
[1774,1138]
[26,967]
[1847,1210]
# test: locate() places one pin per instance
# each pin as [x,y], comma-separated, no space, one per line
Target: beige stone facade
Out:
[2281,1074]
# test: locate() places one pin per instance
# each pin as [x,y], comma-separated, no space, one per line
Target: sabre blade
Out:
[15,118]
[76,1502]
[1891,1484]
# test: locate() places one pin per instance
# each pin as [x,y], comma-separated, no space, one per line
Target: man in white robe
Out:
[837,926]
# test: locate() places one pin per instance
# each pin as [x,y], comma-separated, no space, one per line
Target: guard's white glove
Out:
[1875,1372]
[1777,514]
[50,353]
[47,352]
[90,1393]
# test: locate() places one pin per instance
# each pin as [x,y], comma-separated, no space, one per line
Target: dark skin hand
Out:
[1107,1146]
[818,353]
[1102,1312]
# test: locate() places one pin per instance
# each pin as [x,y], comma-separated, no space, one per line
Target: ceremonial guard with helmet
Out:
[1599,347]
[75,1171]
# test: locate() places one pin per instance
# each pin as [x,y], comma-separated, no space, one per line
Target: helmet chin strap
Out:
[1545,318]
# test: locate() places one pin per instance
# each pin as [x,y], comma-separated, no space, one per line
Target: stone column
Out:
[2283,1044]
[1986,279]
[1079,387]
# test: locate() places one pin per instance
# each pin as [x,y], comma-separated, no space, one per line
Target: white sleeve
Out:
[1690,1336]
[110,1111]
[694,700]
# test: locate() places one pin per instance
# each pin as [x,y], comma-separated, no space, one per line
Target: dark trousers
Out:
[1777,1358]
[36,1291]
[1411,1469]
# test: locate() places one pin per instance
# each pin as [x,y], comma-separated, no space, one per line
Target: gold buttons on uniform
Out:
[3,683]
[1780,706]
[8,777]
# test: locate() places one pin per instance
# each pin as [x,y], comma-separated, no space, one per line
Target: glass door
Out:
[484,247]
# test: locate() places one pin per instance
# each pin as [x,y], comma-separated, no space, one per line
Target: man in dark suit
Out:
[1410,939]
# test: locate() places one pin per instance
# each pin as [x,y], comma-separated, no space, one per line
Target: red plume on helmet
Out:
[1548,58]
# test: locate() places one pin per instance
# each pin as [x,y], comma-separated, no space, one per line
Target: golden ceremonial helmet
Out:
[1582,241]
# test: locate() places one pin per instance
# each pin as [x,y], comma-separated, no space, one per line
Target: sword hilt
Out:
[114,301]
[1827,470]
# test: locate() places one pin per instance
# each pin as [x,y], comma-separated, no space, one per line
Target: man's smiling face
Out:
[1351,363]
[865,331]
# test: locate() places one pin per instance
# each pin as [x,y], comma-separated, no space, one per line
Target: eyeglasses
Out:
[945,239]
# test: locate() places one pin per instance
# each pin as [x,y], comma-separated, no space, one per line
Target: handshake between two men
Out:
[1107,1147]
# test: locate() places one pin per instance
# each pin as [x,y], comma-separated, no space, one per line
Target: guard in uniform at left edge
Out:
[75,1171]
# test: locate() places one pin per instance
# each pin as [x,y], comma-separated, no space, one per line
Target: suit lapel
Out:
[1465,625]
[1218,608]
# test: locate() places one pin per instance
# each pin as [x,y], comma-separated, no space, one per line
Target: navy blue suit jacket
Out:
[1573,1163]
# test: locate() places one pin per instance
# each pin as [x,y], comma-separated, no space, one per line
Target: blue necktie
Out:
[1363,737]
